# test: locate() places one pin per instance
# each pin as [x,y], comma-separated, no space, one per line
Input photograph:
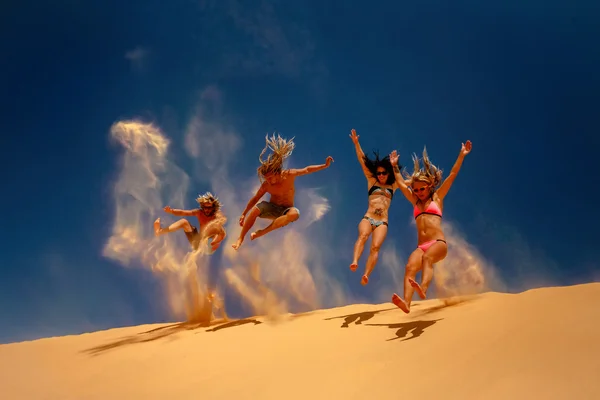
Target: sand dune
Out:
[542,344]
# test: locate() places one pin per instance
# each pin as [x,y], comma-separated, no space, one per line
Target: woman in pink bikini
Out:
[427,197]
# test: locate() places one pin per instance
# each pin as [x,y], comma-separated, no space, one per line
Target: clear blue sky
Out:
[519,79]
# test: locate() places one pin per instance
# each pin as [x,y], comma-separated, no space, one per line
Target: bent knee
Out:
[427,258]
[412,269]
[292,215]
[254,212]
[375,248]
[363,237]
[187,227]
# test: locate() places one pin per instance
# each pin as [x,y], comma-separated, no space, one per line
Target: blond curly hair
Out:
[282,149]
[210,198]
[430,174]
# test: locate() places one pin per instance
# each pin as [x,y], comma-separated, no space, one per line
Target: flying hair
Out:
[281,148]
[210,198]
[376,162]
[429,174]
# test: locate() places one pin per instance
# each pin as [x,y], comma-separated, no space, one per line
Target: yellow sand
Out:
[540,344]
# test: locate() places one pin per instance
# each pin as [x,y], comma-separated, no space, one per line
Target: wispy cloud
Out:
[138,58]
[278,48]
[258,39]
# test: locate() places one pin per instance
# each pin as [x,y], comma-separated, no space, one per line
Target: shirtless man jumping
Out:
[210,217]
[279,183]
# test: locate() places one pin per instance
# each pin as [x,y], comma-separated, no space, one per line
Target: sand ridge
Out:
[490,346]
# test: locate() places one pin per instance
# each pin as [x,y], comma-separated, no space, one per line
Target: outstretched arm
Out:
[360,155]
[445,187]
[400,180]
[311,168]
[180,213]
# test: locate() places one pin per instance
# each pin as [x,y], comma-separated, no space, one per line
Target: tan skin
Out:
[379,204]
[211,226]
[282,190]
[429,227]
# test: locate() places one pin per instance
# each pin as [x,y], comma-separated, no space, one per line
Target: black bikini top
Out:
[376,188]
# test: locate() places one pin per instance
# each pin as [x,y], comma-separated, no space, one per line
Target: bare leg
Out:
[434,254]
[379,235]
[248,223]
[279,222]
[216,242]
[364,230]
[412,267]
[217,232]
[175,226]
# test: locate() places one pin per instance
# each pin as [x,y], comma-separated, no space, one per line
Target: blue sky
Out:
[519,79]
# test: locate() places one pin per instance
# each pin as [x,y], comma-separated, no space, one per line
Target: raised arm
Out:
[360,155]
[400,182]
[447,184]
[311,168]
[180,213]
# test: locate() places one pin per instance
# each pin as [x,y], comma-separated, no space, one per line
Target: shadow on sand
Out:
[359,318]
[148,336]
[446,303]
[166,331]
[232,324]
[416,328]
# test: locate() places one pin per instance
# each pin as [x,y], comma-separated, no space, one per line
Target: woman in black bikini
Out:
[382,184]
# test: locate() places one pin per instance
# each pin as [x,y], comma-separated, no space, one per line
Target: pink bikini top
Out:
[432,209]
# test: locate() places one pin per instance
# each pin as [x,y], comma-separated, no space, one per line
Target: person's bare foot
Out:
[157,227]
[364,280]
[255,235]
[417,287]
[237,244]
[353,266]
[400,303]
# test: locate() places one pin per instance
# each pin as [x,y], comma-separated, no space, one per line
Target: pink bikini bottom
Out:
[428,244]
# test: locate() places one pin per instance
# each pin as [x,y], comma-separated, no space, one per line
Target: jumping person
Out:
[427,197]
[279,183]
[210,217]
[381,184]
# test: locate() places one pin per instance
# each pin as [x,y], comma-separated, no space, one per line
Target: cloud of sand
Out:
[287,264]
[281,272]
[147,180]
[284,271]
[464,271]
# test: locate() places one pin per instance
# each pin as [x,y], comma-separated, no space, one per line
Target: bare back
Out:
[284,191]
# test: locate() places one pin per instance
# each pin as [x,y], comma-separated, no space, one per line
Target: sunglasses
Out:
[381,173]
[421,189]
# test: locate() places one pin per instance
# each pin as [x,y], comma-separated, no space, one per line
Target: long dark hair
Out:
[373,164]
